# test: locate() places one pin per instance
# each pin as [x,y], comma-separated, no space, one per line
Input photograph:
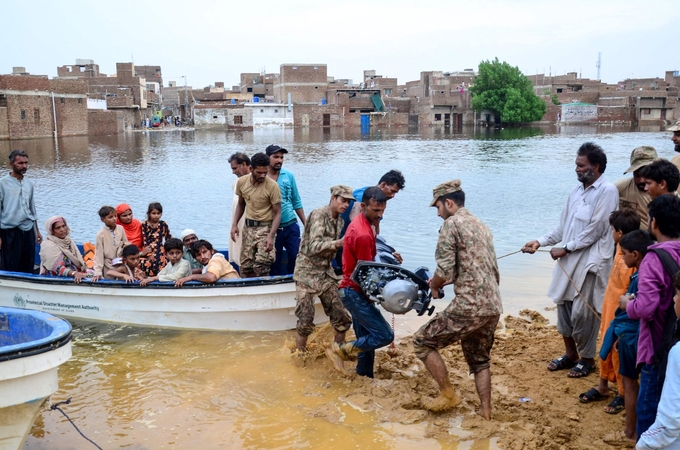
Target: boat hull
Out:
[258,305]
[28,369]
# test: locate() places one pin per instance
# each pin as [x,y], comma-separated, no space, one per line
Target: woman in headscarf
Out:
[59,255]
[133,228]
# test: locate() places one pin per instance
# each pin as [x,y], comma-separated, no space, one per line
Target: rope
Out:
[56,407]
[393,348]
[501,257]
[578,291]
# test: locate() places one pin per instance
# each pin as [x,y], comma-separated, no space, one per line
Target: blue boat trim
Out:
[37,331]
[238,282]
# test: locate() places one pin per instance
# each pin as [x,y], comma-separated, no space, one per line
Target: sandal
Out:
[617,405]
[580,370]
[561,363]
[593,395]
[618,438]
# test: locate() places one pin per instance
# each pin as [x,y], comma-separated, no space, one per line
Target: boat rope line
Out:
[393,348]
[56,407]
[578,291]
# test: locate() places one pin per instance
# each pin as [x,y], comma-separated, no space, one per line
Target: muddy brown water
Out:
[150,388]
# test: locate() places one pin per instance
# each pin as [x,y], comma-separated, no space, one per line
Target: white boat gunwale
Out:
[236,282]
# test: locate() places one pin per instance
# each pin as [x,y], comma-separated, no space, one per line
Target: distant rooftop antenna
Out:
[599,64]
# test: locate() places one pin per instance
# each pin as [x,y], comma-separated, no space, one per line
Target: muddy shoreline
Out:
[553,418]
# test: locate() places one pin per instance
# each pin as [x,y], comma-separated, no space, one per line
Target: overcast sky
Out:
[216,40]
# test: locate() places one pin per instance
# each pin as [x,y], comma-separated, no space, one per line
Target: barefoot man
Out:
[466,257]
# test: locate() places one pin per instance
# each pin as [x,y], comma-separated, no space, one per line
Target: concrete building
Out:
[301,83]
[33,106]
[223,115]
[270,114]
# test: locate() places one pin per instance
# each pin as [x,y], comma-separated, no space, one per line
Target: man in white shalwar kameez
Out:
[586,255]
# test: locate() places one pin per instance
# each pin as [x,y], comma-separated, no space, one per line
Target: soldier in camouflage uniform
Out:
[314,275]
[466,257]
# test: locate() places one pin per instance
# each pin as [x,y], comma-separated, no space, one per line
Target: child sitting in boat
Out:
[215,265]
[109,243]
[133,228]
[154,233]
[177,266]
[128,269]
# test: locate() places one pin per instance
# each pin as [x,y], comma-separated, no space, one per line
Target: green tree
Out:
[503,89]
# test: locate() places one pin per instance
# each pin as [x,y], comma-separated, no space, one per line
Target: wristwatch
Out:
[564,247]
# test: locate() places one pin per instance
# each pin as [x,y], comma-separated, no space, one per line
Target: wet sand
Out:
[552,419]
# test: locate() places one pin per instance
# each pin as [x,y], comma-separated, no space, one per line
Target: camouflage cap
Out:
[675,127]
[343,191]
[445,188]
[641,157]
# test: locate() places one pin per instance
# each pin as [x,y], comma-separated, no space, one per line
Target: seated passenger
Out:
[59,255]
[129,269]
[177,266]
[215,265]
[109,243]
[133,230]
[188,237]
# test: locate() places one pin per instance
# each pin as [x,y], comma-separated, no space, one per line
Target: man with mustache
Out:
[632,191]
[585,260]
[370,327]
[262,197]
[18,219]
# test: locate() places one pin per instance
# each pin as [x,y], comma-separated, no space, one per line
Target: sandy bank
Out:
[552,419]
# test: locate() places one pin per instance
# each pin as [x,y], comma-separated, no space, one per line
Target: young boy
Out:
[109,242]
[177,266]
[129,269]
[661,177]
[215,265]
[622,222]
[623,334]
[665,431]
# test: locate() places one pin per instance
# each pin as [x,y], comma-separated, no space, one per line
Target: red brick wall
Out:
[71,115]
[4,126]
[29,126]
[24,83]
[101,123]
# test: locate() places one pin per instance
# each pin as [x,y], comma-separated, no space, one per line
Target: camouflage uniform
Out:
[314,274]
[465,255]
[253,255]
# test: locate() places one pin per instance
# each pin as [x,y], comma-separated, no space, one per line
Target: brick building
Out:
[305,83]
[643,101]
[28,104]
[83,68]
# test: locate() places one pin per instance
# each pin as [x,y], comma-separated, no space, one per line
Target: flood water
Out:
[149,388]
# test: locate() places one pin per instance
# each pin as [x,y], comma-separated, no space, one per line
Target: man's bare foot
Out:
[337,361]
[441,403]
[486,415]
